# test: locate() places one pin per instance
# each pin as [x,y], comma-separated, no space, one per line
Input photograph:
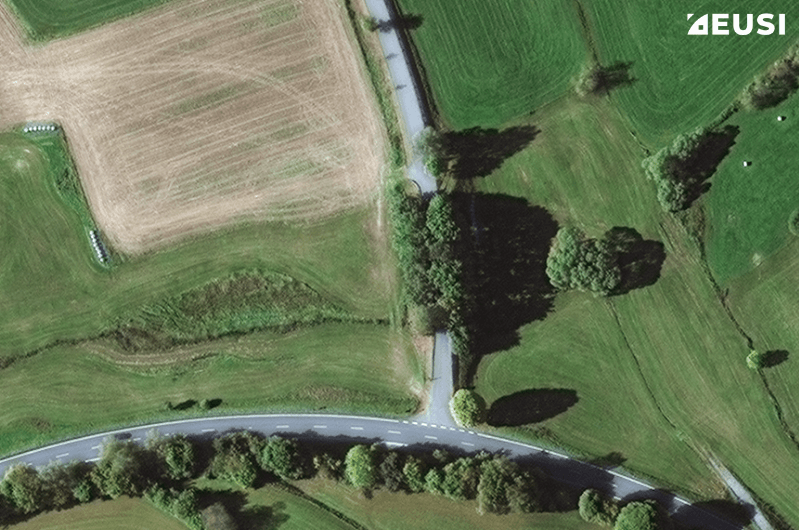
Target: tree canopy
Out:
[468,407]
[577,262]
[360,467]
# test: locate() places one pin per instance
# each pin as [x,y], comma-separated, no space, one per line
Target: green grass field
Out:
[353,368]
[691,356]
[398,511]
[51,288]
[48,19]
[120,514]
[764,301]
[479,79]
[683,81]
[749,209]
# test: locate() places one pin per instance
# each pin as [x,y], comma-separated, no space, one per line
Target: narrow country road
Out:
[414,119]
[393,433]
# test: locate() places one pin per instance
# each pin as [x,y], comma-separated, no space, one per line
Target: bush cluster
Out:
[468,407]
[774,85]
[594,507]
[664,168]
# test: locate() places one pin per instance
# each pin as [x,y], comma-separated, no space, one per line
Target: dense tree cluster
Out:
[596,508]
[424,239]
[578,262]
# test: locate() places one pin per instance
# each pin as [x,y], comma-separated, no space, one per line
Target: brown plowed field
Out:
[203,113]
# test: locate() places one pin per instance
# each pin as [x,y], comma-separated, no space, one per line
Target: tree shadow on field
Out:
[774,358]
[613,76]
[503,247]
[477,152]
[639,259]
[530,406]
[707,514]
[695,170]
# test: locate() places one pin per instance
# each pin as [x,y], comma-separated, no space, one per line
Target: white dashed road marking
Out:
[62,456]
[357,428]
[320,426]
[281,426]
[93,460]
[431,437]
[467,443]
[208,430]
[395,432]
[96,447]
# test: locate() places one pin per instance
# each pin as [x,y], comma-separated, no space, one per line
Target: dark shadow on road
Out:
[639,259]
[530,406]
[477,152]
[711,514]
[403,22]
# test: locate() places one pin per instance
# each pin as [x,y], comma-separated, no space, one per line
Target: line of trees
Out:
[774,85]
[162,471]
[425,239]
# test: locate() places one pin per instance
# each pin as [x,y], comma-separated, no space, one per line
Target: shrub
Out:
[359,467]
[774,85]
[24,488]
[177,455]
[235,458]
[641,515]
[121,469]
[283,457]
[391,471]
[755,360]
[414,473]
[468,407]
[504,488]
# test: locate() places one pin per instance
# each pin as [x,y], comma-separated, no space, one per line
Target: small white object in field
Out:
[781,118]
[746,163]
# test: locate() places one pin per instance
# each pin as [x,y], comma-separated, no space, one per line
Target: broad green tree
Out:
[360,467]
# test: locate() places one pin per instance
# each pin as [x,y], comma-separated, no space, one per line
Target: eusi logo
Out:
[719,24]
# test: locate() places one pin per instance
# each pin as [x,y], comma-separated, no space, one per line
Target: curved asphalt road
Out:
[393,433]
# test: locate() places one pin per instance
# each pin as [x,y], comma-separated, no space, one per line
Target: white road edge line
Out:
[320,427]
[281,426]
[394,432]
[431,437]
[357,428]
[467,443]
[62,455]
[207,430]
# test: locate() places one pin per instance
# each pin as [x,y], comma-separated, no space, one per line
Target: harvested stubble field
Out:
[203,113]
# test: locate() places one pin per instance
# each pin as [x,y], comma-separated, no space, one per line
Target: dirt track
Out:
[202,113]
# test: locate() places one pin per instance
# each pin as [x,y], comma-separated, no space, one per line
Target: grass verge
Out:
[335,367]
